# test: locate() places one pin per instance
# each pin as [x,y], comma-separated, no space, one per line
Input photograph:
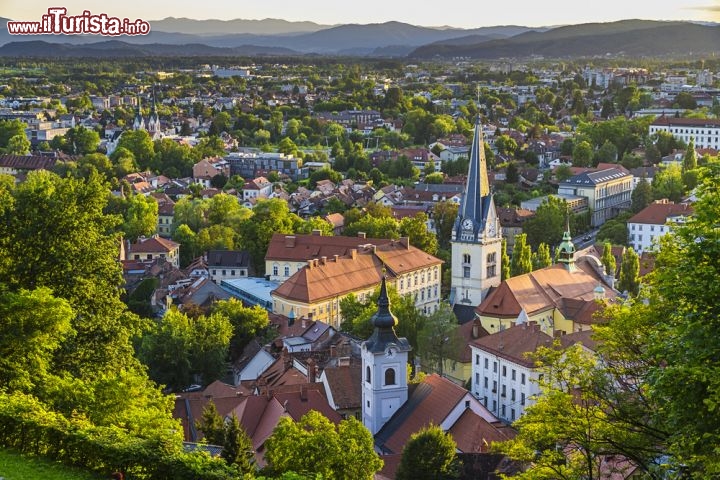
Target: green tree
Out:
[10,129]
[548,224]
[512,174]
[212,425]
[642,196]
[506,145]
[563,172]
[33,326]
[383,227]
[316,223]
[415,228]
[429,455]
[141,217]
[542,258]
[247,323]
[521,261]
[215,237]
[690,158]
[269,217]
[607,153]
[608,259]
[439,339]
[668,183]
[504,262]
[237,447]
[435,177]
[189,247]
[314,445]
[629,280]
[615,230]
[139,143]
[81,141]
[18,145]
[444,214]
[582,154]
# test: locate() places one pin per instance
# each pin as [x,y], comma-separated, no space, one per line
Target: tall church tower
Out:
[138,122]
[476,236]
[153,123]
[384,367]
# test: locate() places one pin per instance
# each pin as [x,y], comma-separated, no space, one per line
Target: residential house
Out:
[228,264]
[207,168]
[657,219]
[166,214]
[151,248]
[259,187]
[16,165]
[704,132]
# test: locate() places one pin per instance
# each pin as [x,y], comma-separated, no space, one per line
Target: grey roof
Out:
[595,178]
[228,258]
[384,321]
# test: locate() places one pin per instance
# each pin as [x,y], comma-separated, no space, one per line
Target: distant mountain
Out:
[115,48]
[267,26]
[628,37]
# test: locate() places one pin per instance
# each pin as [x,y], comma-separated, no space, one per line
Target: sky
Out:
[456,13]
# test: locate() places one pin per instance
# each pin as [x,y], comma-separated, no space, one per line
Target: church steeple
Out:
[476,235]
[566,250]
[138,122]
[384,364]
[475,204]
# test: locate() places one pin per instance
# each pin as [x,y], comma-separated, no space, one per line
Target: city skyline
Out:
[459,14]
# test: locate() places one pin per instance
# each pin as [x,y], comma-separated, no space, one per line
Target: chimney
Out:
[312,370]
[303,322]
[353,253]
[287,359]
[317,232]
[362,235]
[290,241]
[310,263]
[405,242]
[323,260]
[336,257]
[316,262]
[333,351]
[476,328]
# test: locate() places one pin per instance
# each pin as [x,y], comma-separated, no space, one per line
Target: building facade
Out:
[705,132]
[608,192]
[654,221]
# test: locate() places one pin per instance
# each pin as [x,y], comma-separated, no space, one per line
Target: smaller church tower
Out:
[384,367]
[139,122]
[566,250]
[153,123]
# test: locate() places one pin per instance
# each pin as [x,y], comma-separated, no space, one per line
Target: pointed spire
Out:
[566,253]
[476,197]
[384,317]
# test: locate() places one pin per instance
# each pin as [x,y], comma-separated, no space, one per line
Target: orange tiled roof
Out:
[658,213]
[515,342]
[299,248]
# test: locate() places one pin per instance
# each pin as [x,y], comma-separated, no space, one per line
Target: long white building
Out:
[704,132]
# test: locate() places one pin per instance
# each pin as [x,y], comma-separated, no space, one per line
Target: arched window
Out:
[390,376]
[367,374]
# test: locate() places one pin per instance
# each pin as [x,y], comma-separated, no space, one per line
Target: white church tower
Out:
[384,368]
[476,236]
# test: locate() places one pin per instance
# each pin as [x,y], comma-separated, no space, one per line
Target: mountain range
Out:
[182,36]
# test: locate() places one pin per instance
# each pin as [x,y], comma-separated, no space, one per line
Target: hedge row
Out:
[26,425]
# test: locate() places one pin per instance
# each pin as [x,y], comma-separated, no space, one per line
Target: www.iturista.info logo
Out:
[58,22]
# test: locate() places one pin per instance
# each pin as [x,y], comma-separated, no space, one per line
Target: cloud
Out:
[705,8]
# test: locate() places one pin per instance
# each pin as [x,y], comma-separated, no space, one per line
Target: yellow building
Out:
[315,290]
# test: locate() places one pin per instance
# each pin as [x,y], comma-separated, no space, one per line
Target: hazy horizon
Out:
[459,14]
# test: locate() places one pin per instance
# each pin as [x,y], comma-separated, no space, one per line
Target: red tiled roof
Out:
[299,248]
[474,434]
[686,122]
[26,162]
[154,244]
[345,384]
[515,342]
[658,213]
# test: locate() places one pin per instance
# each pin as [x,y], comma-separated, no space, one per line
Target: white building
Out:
[704,132]
[654,221]
[503,378]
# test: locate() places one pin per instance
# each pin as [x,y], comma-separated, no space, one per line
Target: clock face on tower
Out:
[467,224]
[491,229]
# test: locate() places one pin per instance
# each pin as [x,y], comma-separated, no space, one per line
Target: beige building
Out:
[315,290]
[151,248]
[608,192]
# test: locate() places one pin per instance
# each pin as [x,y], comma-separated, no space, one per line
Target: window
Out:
[149,256]
[522,398]
[367,374]
[402,284]
[224,272]
[491,257]
[485,384]
[495,367]
[486,364]
[214,272]
[512,394]
[522,378]
[512,374]
[503,394]
[494,386]
[485,401]
[494,409]
[390,376]
[477,359]
[287,271]
[466,272]
[512,414]
[232,272]
[477,378]
[504,370]
[491,271]
[466,258]
[275,270]
[503,411]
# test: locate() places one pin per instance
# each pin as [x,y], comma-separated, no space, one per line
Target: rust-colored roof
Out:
[466,333]
[345,384]
[154,244]
[337,277]
[515,342]
[474,434]
[300,248]
[336,219]
[658,213]
[298,403]
[585,337]
[540,290]
[26,162]
[429,403]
